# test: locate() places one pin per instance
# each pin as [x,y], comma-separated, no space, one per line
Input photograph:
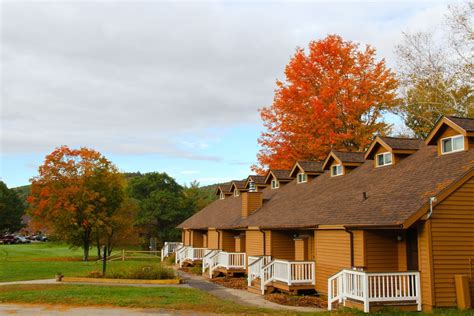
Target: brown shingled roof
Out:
[350,156]
[311,166]
[239,184]
[464,122]
[257,179]
[224,187]
[398,143]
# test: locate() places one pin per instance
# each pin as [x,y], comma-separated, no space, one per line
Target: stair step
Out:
[254,290]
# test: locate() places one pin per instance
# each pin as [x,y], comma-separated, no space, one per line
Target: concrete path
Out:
[46,310]
[241,297]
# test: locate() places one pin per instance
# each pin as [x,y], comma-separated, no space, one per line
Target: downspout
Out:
[264,241]
[218,239]
[351,242]
[430,213]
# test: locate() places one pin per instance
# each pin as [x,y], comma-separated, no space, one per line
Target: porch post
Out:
[289,273]
[366,292]
[418,290]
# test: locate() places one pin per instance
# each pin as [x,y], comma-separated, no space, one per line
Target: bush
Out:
[169,261]
[142,272]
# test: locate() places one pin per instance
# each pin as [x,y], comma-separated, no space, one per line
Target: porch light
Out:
[252,186]
[400,237]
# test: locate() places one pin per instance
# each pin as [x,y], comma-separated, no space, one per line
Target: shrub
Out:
[169,261]
[142,272]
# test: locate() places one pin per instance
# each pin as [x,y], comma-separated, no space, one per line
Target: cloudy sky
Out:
[165,86]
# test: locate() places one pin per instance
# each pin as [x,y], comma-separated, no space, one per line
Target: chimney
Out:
[251,201]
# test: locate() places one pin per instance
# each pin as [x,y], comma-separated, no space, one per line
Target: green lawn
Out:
[144,297]
[45,260]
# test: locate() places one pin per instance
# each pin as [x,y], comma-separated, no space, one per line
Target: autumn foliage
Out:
[333,98]
[76,194]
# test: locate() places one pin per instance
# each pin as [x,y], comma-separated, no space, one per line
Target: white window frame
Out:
[222,196]
[337,174]
[452,142]
[275,184]
[236,192]
[304,178]
[387,153]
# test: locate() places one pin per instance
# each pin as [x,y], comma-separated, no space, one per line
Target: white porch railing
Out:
[289,272]
[169,248]
[370,287]
[227,260]
[207,259]
[255,266]
[189,253]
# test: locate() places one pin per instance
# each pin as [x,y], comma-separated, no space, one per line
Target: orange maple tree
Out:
[76,192]
[333,98]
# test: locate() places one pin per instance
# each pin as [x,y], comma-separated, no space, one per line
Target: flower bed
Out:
[297,300]
[141,272]
[233,283]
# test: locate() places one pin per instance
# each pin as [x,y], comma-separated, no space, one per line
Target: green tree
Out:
[197,197]
[162,204]
[11,209]
[435,72]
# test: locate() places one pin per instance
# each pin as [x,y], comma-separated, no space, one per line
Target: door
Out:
[412,249]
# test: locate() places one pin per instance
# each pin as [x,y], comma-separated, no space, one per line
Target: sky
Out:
[166,86]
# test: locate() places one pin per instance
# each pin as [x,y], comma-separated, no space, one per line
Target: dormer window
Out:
[302,178]
[336,170]
[384,159]
[452,144]
[236,193]
[222,196]
[275,184]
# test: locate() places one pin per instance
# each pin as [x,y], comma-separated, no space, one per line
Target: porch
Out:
[222,262]
[373,289]
[189,255]
[169,248]
[266,275]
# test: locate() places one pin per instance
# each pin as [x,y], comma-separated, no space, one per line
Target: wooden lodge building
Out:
[390,226]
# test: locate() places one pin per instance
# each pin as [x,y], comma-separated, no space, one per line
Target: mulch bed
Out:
[233,283]
[293,300]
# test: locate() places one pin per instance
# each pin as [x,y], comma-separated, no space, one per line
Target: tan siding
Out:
[204,240]
[254,243]
[212,239]
[425,265]
[381,250]
[187,237]
[452,242]
[359,248]
[196,239]
[283,245]
[240,244]
[332,248]
[227,240]
[300,249]
[268,243]
[251,201]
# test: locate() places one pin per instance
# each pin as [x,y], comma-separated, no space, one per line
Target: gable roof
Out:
[309,167]
[224,187]
[344,157]
[394,144]
[279,174]
[464,126]
[394,194]
[237,184]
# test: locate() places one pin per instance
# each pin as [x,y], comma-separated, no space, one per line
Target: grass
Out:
[45,260]
[123,296]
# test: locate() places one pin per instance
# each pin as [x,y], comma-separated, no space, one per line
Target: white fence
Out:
[255,267]
[289,272]
[169,248]
[189,253]
[370,287]
[208,260]
[224,259]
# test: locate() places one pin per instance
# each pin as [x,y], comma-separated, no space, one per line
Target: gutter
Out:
[351,241]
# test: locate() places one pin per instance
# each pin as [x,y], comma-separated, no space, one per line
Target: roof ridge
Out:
[403,138]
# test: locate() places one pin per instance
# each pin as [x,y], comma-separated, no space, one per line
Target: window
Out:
[275,184]
[236,192]
[384,159]
[452,144]
[222,196]
[336,170]
[302,178]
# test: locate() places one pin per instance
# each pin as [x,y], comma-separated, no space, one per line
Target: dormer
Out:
[237,187]
[223,191]
[452,134]
[304,171]
[277,177]
[342,162]
[259,182]
[387,151]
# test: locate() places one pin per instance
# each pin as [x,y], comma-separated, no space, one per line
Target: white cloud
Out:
[153,77]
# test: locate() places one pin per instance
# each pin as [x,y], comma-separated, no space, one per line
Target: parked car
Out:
[9,239]
[22,240]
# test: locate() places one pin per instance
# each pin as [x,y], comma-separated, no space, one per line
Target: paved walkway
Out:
[46,310]
[237,296]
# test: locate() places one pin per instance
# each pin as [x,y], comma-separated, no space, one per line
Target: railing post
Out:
[418,290]
[365,290]
[123,254]
[313,272]
[289,272]
[330,294]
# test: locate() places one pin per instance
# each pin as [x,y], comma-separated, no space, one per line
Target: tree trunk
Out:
[99,256]
[86,244]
